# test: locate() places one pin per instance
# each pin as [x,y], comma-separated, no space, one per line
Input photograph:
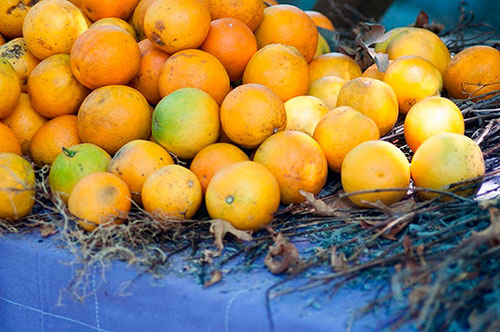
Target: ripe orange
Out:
[105,55]
[112,116]
[413,79]
[333,64]
[373,98]
[176,25]
[186,121]
[288,25]
[246,194]
[249,12]
[472,68]
[297,162]
[327,89]
[2,40]
[17,186]
[320,20]
[146,80]
[375,165]
[194,69]
[137,19]
[445,159]
[24,121]
[271,2]
[251,113]
[53,89]
[99,198]
[23,62]
[373,72]
[388,37]
[212,159]
[10,88]
[281,68]
[118,22]
[97,9]
[172,191]
[341,130]
[322,47]
[8,141]
[303,113]
[233,43]
[12,14]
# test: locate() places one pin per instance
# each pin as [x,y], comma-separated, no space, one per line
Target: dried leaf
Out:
[216,277]
[219,228]
[493,230]
[47,230]
[282,254]
[422,20]
[338,262]
[396,208]
[375,34]
[324,210]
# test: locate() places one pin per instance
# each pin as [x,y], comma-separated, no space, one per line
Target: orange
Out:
[176,25]
[341,130]
[118,22]
[10,88]
[303,113]
[112,116]
[194,69]
[146,80]
[8,141]
[12,14]
[297,162]
[327,88]
[373,72]
[333,64]
[105,55]
[77,3]
[212,159]
[24,121]
[413,79]
[172,191]
[320,20]
[233,43]
[51,27]
[375,165]
[53,89]
[99,198]
[432,116]
[250,114]
[16,52]
[271,2]
[322,47]
[135,161]
[373,98]
[473,71]
[388,37]
[17,187]
[288,25]
[51,137]
[2,40]
[97,9]
[249,12]
[281,68]
[72,164]
[186,121]
[137,19]
[246,194]
[445,159]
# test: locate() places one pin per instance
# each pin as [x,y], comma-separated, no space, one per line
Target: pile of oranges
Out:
[119,97]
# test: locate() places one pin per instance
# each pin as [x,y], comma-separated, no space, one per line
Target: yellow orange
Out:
[118,22]
[12,14]
[303,113]
[97,9]
[320,20]
[333,64]
[23,62]
[137,19]
[8,141]
[10,88]
[249,12]
[327,89]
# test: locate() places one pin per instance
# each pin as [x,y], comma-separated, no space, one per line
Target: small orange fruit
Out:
[445,159]
[146,80]
[194,69]
[10,88]
[281,68]
[112,116]
[251,113]
[388,37]
[249,12]
[334,64]
[432,116]
[24,121]
[297,162]
[323,46]
[246,194]
[233,43]
[341,130]
[373,72]
[375,165]
[51,137]
[320,20]
[176,25]
[12,14]
[117,22]
[473,71]
[8,141]
[23,62]
[105,55]
[135,161]
[186,121]
[271,2]
[327,88]
[373,98]
[53,89]
[17,186]
[413,79]
[303,113]
[99,198]
[212,159]
[288,25]
[137,19]
[97,9]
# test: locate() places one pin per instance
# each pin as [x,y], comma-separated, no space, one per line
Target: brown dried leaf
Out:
[422,20]
[325,210]
[493,230]
[404,206]
[282,254]
[219,228]
[47,230]
[374,34]
[216,277]
[338,262]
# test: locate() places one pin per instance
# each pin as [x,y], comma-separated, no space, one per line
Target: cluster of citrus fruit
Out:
[80,93]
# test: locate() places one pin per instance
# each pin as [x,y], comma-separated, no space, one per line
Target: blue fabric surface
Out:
[34,275]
